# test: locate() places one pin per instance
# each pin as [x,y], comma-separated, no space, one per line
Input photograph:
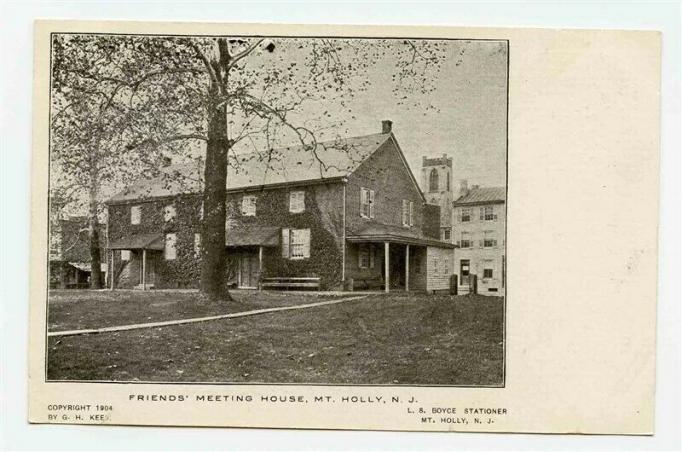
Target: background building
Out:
[437,185]
[478,219]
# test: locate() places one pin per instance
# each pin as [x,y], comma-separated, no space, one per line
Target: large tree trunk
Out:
[214,259]
[95,258]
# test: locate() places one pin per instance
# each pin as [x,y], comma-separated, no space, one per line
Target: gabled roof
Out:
[333,159]
[482,195]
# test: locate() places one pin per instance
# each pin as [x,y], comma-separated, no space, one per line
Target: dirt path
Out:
[139,326]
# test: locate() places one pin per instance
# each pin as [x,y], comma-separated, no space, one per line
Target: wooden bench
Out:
[291,283]
[368,283]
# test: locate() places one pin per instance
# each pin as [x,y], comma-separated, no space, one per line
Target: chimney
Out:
[386,126]
[463,188]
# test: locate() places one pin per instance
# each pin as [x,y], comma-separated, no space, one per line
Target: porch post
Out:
[387,282]
[144,269]
[260,265]
[407,268]
[111,270]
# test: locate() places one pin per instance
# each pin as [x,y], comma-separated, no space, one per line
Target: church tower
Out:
[437,184]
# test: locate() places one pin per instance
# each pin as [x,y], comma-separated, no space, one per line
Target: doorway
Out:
[248,273]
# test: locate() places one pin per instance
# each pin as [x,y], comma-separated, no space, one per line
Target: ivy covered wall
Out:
[323,215]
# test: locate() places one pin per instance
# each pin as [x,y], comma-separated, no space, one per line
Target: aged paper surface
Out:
[578,344]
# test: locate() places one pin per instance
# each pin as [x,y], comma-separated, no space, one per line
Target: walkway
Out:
[139,326]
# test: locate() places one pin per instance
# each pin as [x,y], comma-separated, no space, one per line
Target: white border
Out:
[17,51]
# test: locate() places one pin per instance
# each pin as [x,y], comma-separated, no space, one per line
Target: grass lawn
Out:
[395,339]
[82,309]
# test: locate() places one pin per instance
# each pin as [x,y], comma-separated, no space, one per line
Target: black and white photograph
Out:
[277,210]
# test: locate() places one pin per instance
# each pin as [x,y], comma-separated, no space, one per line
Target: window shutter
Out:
[371,203]
[285,243]
[305,238]
[482,213]
[411,213]
[363,200]
[480,243]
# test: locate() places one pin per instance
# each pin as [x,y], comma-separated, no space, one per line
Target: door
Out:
[151,267]
[464,268]
[248,271]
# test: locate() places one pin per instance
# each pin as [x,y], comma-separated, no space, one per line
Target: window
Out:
[135,214]
[296,201]
[169,213]
[296,243]
[465,215]
[408,213]
[489,239]
[446,266]
[197,245]
[487,213]
[201,211]
[366,256]
[249,206]
[446,234]
[366,203]
[363,256]
[433,180]
[487,269]
[435,266]
[169,251]
[465,242]
[125,255]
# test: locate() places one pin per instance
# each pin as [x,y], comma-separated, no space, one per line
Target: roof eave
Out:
[260,187]
[477,203]
[398,239]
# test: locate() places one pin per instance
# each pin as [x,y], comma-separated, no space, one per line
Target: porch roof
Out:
[138,242]
[394,234]
[253,236]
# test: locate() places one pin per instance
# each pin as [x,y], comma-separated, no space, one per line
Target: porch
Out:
[138,257]
[246,251]
[399,258]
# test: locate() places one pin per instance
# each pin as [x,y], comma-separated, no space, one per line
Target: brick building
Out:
[351,214]
[69,254]
[478,219]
